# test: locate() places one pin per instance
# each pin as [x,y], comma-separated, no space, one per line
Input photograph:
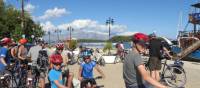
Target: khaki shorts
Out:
[154,63]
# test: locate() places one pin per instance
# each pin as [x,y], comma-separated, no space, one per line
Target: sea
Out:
[127,45]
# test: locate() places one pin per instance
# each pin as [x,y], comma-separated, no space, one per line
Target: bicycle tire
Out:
[5,82]
[102,62]
[173,79]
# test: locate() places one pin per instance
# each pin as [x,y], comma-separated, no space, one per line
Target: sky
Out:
[88,17]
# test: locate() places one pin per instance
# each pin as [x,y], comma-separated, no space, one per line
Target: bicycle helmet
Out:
[140,38]
[87,53]
[6,41]
[23,41]
[56,59]
[59,46]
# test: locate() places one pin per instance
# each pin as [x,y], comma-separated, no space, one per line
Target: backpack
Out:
[42,60]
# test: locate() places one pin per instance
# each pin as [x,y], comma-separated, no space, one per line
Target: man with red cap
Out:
[134,73]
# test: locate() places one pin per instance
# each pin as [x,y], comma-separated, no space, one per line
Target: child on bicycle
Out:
[65,72]
[55,74]
[86,70]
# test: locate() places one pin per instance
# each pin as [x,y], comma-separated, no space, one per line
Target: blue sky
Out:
[88,17]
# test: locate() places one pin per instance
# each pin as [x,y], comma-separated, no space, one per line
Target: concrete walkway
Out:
[114,78]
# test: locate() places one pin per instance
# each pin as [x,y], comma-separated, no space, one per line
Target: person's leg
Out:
[93,83]
[42,80]
[42,83]
[69,80]
[152,67]
[158,68]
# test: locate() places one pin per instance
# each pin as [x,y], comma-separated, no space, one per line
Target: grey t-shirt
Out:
[33,53]
[131,74]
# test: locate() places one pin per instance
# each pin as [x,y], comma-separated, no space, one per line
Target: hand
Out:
[80,78]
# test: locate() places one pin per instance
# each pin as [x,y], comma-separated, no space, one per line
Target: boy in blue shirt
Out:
[86,70]
[4,59]
[55,74]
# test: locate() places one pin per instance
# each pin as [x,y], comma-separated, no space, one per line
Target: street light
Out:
[70,29]
[58,31]
[49,33]
[109,22]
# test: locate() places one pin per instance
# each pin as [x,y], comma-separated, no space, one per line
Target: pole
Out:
[49,36]
[109,30]
[22,15]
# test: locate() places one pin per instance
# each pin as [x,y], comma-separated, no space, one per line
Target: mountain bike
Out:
[5,79]
[85,82]
[172,75]
[98,58]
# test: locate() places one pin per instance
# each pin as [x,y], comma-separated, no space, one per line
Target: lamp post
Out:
[70,29]
[49,33]
[109,22]
[58,31]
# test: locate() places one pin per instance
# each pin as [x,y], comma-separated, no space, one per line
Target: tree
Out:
[108,47]
[10,23]
[73,44]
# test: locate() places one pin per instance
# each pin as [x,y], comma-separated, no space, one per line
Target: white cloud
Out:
[48,26]
[91,25]
[55,12]
[86,28]
[29,7]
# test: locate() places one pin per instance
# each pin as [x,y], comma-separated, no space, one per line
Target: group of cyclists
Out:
[45,64]
[54,66]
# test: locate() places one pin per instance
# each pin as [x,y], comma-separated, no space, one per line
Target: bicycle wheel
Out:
[175,77]
[6,80]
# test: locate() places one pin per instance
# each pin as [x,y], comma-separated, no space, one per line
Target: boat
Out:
[187,37]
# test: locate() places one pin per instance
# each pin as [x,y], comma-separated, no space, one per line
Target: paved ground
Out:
[114,78]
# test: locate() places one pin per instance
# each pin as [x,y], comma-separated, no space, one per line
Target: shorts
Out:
[86,81]
[154,63]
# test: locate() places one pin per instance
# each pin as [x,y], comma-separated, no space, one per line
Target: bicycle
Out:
[24,78]
[5,78]
[98,58]
[120,56]
[172,75]
[89,85]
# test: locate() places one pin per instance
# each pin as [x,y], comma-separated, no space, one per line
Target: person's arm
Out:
[29,54]
[19,53]
[12,52]
[100,71]
[167,52]
[3,61]
[146,77]
[80,73]
[59,85]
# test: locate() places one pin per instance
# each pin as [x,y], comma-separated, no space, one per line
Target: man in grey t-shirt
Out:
[133,68]
[33,54]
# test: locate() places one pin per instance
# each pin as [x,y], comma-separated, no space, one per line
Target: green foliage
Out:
[90,40]
[10,24]
[108,46]
[121,38]
[73,44]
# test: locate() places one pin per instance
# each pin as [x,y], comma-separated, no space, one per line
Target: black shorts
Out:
[154,63]
[86,81]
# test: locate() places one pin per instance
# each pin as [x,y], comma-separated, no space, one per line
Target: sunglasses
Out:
[60,49]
